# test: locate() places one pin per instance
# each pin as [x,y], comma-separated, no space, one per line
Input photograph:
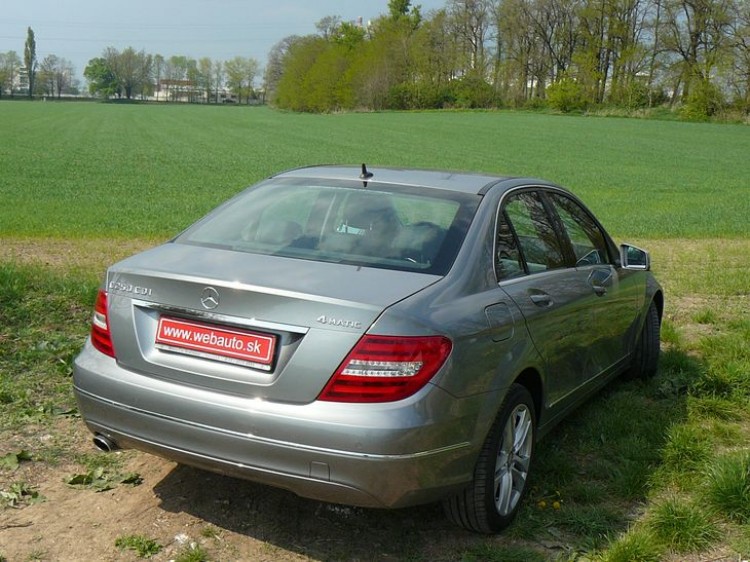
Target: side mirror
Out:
[634,258]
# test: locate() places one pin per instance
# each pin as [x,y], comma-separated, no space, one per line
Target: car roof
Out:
[466,182]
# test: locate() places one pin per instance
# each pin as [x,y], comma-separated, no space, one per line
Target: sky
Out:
[80,30]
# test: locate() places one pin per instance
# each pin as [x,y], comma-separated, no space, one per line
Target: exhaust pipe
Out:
[104,443]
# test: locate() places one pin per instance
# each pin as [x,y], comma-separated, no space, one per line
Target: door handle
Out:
[541,299]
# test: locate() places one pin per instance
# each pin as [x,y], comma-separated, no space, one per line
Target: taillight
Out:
[386,368]
[100,335]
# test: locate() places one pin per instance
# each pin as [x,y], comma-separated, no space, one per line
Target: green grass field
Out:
[654,470]
[83,170]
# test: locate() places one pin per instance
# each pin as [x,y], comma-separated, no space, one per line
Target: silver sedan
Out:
[379,338]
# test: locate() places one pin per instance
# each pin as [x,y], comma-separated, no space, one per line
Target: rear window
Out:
[401,228]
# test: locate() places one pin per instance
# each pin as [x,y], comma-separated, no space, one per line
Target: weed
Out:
[20,493]
[12,461]
[101,480]
[210,532]
[192,553]
[143,547]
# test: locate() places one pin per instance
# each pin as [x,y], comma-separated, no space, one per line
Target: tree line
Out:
[568,54]
[132,74]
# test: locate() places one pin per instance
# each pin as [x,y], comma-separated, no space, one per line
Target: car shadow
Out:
[307,527]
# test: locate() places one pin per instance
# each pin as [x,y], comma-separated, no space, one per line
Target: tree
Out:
[251,71]
[349,35]
[205,77]
[9,67]
[235,76]
[175,73]
[133,70]
[402,9]
[300,56]
[29,59]
[739,81]
[241,73]
[697,33]
[275,66]
[398,8]
[55,76]
[471,22]
[158,69]
[46,77]
[218,79]
[101,78]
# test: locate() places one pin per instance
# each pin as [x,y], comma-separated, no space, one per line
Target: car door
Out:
[534,268]
[616,303]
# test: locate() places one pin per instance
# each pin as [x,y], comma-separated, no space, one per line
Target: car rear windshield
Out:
[394,227]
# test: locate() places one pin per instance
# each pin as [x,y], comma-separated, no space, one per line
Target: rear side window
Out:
[395,228]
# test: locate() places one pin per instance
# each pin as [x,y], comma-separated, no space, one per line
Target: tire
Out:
[489,504]
[646,353]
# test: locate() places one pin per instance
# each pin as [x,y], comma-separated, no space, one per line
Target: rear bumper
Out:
[391,455]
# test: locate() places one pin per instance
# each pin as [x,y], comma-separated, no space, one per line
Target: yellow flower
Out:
[556,505]
[542,504]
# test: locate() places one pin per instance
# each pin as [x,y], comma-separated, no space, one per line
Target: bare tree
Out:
[740,43]
[218,78]
[471,21]
[697,33]
[327,26]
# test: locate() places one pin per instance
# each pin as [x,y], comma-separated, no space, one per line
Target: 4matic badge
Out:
[330,321]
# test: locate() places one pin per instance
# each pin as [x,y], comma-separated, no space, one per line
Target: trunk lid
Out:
[244,324]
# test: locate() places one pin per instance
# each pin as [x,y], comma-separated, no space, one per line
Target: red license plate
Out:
[224,343]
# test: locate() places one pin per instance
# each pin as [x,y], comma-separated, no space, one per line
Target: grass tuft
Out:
[687,448]
[728,486]
[635,546]
[683,526]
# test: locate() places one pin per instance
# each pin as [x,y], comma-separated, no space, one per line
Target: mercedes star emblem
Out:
[210,298]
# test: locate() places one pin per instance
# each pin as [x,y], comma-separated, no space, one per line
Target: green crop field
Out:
[646,470]
[83,170]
